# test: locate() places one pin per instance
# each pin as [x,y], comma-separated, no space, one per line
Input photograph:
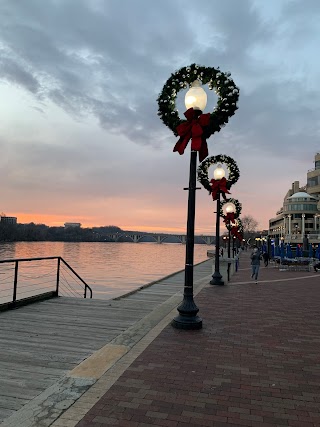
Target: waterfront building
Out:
[313,178]
[72,225]
[8,219]
[299,216]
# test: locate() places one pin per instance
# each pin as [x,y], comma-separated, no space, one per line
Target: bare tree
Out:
[249,226]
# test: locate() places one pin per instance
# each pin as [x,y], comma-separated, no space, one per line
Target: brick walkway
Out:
[256,362]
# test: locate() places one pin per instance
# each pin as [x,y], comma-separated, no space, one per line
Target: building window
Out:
[302,207]
[8,219]
[312,182]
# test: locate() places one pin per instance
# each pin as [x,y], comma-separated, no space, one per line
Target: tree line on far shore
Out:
[41,232]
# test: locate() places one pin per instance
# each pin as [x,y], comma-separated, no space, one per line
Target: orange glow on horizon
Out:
[50,220]
[59,220]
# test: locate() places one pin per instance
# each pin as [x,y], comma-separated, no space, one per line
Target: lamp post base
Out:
[187,317]
[217,279]
[190,323]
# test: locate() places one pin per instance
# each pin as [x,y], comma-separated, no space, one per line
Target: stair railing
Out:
[12,302]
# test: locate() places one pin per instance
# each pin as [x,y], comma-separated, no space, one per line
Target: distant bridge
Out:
[158,238]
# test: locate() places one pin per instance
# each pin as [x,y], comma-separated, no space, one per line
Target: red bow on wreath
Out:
[229,218]
[219,185]
[235,232]
[193,129]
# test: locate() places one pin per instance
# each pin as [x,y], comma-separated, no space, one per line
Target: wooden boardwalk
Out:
[42,342]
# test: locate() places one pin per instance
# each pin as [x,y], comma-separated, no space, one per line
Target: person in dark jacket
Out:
[255,264]
[265,257]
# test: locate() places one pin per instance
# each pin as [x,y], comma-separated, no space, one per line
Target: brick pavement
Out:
[256,362]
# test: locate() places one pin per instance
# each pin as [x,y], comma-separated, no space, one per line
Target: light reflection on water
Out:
[111,269]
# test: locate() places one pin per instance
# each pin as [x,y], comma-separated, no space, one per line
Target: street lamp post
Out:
[218,174]
[257,239]
[225,241]
[229,208]
[197,128]
[229,252]
[269,246]
[188,318]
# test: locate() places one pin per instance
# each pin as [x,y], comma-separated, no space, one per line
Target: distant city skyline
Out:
[80,138]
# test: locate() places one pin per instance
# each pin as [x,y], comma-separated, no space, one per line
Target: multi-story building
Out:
[72,225]
[299,216]
[8,219]
[313,178]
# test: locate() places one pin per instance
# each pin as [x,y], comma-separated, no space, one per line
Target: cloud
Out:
[11,71]
[87,59]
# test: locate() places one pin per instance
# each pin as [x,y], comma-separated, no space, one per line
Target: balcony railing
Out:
[289,237]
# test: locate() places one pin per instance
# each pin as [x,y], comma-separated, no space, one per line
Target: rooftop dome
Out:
[301,194]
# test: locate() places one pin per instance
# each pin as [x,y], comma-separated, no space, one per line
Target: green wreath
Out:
[237,204]
[238,223]
[224,86]
[232,167]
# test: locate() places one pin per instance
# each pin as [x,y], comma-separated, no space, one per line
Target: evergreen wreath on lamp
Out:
[198,127]
[221,83]
[234,215]
[240,225]
[232,167]
[236,228]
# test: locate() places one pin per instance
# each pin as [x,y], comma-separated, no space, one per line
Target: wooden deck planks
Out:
[41,342]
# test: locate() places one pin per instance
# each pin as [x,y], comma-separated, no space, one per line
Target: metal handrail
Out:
[80,278]
[59,259]
[28,259]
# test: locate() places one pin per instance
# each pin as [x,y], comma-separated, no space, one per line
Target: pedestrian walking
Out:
[265,257]
[255,264]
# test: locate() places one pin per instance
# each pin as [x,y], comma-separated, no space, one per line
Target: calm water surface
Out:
[111,269]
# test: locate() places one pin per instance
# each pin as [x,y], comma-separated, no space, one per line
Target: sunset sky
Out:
[80,139]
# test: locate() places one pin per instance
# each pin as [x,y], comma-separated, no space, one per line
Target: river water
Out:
[111,269]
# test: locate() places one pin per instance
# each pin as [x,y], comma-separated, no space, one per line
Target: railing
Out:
[21,283]
[294,263]
[311,236]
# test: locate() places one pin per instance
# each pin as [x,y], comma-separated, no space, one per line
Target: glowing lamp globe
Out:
[196,97]
[229,207]
[219,173]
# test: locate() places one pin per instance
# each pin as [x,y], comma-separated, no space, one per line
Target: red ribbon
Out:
[219,185]
[235,232]
[239,236]
[193,129]
[229,218]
